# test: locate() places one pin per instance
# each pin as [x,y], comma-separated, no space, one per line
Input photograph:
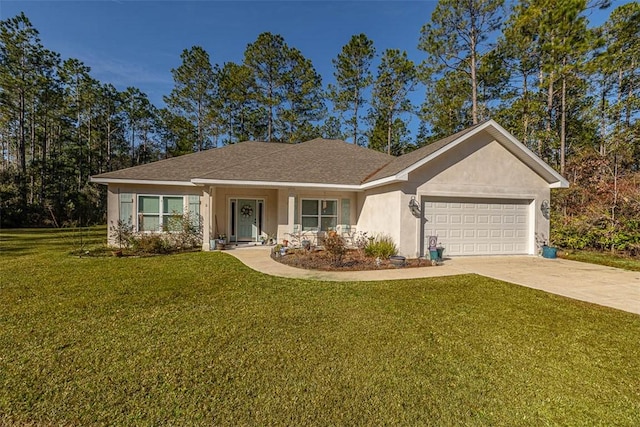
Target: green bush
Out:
[381,246]
[151,244]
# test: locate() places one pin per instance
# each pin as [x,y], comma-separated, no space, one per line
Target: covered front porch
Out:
[245,215]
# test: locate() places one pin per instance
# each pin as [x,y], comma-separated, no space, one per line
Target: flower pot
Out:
[397,260]
[549,252]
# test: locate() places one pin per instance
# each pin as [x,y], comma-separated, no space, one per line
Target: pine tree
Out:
[303,104]
[194,94]
[285,86]
[239,111]
[266,58]
[353,77]
[456,39]
[395,79]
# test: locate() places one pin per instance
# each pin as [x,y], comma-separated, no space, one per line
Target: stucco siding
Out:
[380,213]
[482,168]
[113,202]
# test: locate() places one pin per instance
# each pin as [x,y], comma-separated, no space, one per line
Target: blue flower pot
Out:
[549,252]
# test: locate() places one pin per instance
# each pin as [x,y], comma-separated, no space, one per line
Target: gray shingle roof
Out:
[319,161]
[322,161]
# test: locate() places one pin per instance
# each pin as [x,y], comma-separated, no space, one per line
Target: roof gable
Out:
[399,169]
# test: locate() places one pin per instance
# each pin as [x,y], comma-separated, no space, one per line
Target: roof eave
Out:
[285,184]
[400,177]
[106,181]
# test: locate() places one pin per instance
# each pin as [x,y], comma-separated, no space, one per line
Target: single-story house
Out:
[480,191]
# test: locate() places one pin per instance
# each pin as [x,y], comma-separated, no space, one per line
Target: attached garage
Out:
[475,226]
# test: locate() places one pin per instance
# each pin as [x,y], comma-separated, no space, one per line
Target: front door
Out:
[247,220]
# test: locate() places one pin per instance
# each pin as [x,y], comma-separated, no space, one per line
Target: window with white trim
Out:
[158,213]
[319,214]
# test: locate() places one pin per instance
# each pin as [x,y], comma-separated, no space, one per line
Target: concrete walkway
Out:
[607,286]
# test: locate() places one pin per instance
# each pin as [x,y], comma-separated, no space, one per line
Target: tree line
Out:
[565,88]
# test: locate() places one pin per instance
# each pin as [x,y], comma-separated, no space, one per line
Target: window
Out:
[155,213]
[319,215]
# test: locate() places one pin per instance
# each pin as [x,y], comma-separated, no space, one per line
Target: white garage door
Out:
[477,226]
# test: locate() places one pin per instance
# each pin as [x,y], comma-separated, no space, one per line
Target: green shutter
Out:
[194,210]
[126,207]
[345,217]
[296,217]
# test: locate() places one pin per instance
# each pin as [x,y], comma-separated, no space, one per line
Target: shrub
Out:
[121,233]
[151,244]
[361,240]
[382,246]
[334,245]
[185,232]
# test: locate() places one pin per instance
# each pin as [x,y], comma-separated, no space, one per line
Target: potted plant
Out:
[221,242]
[549,252]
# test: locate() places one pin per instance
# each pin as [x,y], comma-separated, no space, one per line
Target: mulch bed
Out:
[353,260]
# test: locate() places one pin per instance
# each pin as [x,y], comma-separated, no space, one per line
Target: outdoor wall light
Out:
[414,207]
[545,209]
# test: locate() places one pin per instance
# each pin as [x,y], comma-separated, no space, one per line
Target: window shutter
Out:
[194,210]
[345,211]
[126,207]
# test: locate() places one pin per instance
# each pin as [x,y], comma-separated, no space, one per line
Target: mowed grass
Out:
[200,339]
[604,258]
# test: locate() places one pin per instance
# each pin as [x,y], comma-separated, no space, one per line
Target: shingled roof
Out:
[319,162]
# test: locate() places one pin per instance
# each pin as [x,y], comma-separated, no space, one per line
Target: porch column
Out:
[207,209]
[291,211]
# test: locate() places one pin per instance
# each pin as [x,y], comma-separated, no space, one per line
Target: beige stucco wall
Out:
[380,212]
[221,207]
[295,195]
[113,202]
[482,168]
[215,203]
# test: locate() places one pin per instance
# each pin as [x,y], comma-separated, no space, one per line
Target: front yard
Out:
[198,338]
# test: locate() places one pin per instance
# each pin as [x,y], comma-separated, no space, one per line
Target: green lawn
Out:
[603,258]
[200,339]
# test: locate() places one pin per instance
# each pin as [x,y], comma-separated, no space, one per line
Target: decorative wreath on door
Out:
[246,211]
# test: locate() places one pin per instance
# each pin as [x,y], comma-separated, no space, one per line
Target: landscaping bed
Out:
[352,260]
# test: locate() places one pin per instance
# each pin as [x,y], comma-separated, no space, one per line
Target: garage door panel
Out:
[478,226]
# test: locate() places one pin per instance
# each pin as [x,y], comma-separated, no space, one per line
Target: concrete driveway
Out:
[607,286]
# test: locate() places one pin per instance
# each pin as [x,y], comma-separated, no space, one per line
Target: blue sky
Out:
[137,43]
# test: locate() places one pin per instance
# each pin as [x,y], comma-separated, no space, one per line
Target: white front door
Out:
[247,214]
